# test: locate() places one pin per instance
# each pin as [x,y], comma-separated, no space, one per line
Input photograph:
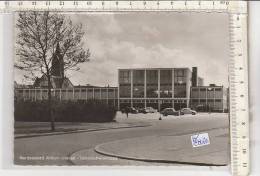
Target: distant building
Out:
[106,95]
[155,87]
[209,98]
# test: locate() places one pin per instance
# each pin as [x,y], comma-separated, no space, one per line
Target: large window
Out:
[138,76]
[125,83]
[202,93]
[152,83]
[165,83]
[179,83]
[210,92]
[180,90]
[218,92]
[194,93]
[125,91]
[125,76]
[179,76]
[138,83]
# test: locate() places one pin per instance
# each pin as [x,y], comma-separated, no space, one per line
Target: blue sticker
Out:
[199,140]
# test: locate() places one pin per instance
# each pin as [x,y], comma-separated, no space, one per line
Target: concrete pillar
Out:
[207,99]
[145,88]
[118,98]
[222,99]
[214,97]
[159,85]
[118,91]
[118,106]
[188,85]
[131,75]
[172,88]
[107,96]
[159,88]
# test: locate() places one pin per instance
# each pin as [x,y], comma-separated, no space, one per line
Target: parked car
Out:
[150,110]
[187,111]
[142,110]
[132,110]
[129,110]
[170,111]
[147,110]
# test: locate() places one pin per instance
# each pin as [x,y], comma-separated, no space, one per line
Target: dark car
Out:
[170,111]
[187,111]
[142,110]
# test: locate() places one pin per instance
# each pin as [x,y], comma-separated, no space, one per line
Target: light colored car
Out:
[170,111]
[150,110]
[187,111]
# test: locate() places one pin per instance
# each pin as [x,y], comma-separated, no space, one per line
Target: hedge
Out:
[64,111]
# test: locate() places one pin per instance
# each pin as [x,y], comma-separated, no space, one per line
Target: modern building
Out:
[107,95]
[155,87]
[209,98]
[143,87]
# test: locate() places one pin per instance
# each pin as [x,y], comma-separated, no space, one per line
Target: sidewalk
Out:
[168,149]
[34,129]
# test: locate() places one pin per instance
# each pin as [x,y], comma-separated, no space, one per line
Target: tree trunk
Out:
[51,116]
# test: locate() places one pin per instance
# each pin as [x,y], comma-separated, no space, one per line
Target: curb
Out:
[98,149]
[76,131]
[102,152]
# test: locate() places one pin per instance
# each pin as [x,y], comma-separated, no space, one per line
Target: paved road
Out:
[55,150]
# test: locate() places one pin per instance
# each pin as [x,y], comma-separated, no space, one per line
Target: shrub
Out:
[65,111]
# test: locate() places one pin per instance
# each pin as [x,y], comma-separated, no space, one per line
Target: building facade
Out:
[106,95]
[209,98]
[144,87]
[154,87]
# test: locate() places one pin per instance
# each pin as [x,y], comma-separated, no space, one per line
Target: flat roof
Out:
[154,68]
[207,86]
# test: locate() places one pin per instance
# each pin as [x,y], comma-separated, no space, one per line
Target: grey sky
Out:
[152,39]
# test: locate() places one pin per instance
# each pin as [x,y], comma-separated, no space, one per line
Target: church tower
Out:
[58,79]
[57,68]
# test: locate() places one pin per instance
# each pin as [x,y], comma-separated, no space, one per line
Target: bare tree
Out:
[39,34]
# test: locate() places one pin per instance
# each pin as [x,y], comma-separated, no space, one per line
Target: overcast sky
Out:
[167,40]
